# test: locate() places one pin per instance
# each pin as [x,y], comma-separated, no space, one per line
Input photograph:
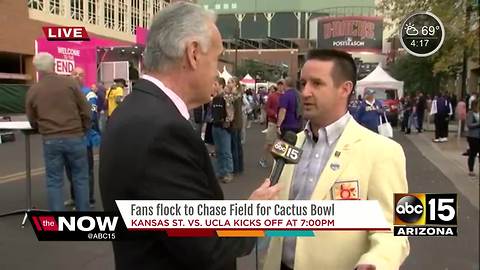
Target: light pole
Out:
[236,37]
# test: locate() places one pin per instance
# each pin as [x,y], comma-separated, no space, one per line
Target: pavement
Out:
[435,168]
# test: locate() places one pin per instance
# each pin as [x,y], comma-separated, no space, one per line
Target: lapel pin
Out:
[334,166]
[337,153]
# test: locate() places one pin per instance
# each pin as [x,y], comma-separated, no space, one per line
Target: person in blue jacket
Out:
[92,138]
[369,112]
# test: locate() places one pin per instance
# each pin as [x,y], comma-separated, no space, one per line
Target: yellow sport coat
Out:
[378,164]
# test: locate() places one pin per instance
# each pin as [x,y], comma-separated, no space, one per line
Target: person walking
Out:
[441,109]
[272,112]
[473,135]
[420,111]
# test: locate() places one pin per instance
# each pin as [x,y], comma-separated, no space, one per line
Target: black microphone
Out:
[284,152]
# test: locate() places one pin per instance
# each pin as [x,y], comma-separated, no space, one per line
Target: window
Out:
[234,6]
[35,4]
[55,7]
[157,6]
[135,15]
[92,11]
[109,14]
[122,15]
[218,6]
[226,6]
[76,9]
[146,13]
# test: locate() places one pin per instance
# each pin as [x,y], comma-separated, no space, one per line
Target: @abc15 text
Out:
[425,214]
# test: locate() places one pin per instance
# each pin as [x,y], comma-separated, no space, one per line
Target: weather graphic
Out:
[410,29]
[422,34]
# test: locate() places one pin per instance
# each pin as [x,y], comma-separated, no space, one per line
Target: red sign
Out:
[65,33]
[351,33]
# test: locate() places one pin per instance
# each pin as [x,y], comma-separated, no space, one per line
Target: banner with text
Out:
[252,215]
[351,33]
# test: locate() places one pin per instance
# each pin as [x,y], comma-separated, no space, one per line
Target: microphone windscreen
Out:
[290,137]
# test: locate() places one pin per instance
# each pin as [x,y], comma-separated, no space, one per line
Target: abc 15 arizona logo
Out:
[425,214]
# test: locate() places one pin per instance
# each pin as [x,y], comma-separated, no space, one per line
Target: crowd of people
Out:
[414,110]
[224,120]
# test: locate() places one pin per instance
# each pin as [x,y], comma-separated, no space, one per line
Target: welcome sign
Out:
[71,54]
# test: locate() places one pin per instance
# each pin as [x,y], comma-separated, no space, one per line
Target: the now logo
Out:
[65,33]
[75,222]
[87,224]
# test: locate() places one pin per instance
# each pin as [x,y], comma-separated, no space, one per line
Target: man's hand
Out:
[365,267]
[265,192]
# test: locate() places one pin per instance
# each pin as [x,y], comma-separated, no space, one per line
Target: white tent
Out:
[248,79]
[379,78]
[225,75]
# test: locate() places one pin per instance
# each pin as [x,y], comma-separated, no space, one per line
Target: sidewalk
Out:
[447,157]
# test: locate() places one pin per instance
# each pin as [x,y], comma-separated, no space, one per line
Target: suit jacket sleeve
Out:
[174,170]
[388,177]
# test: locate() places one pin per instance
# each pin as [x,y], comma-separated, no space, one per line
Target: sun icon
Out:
[410,29]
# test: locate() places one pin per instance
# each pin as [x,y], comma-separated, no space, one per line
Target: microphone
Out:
[284,152]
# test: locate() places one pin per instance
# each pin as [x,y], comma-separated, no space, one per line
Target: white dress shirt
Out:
[179,103]
[308,170]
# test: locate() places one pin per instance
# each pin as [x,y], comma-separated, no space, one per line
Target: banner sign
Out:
[211,218]
[351,33]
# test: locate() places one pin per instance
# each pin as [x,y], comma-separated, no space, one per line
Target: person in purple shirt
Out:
[289,113]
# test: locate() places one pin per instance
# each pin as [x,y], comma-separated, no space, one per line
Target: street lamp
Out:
[236,37]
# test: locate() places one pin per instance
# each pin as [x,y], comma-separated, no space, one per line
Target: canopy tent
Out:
[225,74]
[379,78]
[247,79]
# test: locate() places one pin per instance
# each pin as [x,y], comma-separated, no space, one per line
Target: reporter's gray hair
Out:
[43,62]
[171,30]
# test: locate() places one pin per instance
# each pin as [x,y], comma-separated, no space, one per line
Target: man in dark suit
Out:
[151,152]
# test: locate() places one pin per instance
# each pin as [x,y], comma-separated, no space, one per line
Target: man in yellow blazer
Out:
[341,160]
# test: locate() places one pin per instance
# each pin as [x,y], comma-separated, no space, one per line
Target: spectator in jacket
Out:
[473,136]
[421,107]
[442,110]
[114,96]
[235,98]
[370,111]
[92,139]
[58,109]
[220,133]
